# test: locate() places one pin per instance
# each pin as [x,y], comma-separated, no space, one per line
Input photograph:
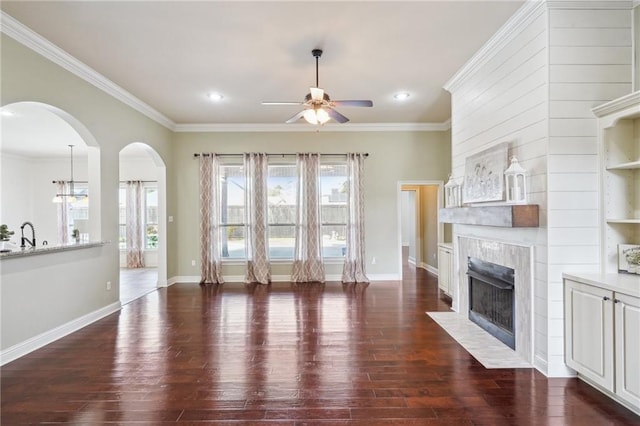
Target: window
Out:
[232,188]
[281,190]
[281,197]
[333,214]
[150,216]
[78,212]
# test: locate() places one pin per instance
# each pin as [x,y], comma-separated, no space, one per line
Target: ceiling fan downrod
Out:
[316,54]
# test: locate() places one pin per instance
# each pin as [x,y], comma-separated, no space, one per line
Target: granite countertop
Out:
[622,283]
[18,252]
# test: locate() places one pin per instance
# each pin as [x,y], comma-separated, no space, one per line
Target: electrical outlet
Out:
[170,218]
[193,263]
[108,285]
[373,261]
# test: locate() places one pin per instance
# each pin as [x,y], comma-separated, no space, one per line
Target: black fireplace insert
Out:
[491,299]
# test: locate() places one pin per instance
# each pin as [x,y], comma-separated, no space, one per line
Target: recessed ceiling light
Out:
[401,96]
[215,97]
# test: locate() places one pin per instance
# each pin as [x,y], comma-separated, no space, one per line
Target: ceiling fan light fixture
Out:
[316,116]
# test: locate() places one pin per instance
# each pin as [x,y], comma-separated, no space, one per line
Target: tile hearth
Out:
[488,350]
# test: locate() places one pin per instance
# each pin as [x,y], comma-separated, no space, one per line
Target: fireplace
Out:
[491,299]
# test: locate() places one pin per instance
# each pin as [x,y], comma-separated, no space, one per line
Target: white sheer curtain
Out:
[307,260]
[256,170]
[210,263]
[135,224]
[63,213]
[354,262]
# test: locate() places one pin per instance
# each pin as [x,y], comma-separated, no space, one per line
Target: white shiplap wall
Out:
[590,62]
[533,86]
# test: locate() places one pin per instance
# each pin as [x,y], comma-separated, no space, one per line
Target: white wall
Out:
[505,100]
[533,86]
[15,208]
[405,212]
[590,62]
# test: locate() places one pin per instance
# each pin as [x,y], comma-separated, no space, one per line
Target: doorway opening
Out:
[418,228]
[141,221]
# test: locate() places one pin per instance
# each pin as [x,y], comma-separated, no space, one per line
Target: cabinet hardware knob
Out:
[616,300]
[605,298]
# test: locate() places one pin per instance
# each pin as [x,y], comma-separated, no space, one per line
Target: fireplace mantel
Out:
[509,216]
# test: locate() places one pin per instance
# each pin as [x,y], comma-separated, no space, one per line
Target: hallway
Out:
[285,354]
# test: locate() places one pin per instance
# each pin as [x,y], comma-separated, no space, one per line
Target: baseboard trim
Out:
[23,348]
[429,268]
[541,365]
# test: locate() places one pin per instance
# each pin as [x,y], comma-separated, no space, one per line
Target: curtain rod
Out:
[85,181]
[196,155]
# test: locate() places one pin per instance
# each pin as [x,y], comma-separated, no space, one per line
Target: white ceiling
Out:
[171,54]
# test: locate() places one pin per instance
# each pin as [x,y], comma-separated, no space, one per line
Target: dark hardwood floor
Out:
[285,354]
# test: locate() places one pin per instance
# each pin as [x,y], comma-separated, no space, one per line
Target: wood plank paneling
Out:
[537,92]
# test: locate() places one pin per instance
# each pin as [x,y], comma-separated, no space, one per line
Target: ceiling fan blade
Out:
[296,117]
[336,115]
[361,103]
[282,103]
[317,94]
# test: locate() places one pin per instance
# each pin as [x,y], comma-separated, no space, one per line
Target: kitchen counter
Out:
[18,253]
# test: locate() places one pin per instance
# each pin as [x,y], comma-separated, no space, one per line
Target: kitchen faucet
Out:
[24,239]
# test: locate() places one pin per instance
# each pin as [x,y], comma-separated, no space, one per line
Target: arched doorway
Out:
[142,171]
[35,154]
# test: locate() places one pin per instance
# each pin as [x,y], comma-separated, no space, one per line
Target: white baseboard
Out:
[540,364]
[429,268]
[43,339]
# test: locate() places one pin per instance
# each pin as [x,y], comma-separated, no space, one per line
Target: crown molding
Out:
[587,4]
[523,16]
[347,127]
[34,41]
[632,99]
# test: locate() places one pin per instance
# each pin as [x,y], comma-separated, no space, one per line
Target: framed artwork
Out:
[484,175]
[624,251]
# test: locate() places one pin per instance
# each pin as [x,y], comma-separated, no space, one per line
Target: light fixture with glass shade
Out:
[316,115]
[71,196]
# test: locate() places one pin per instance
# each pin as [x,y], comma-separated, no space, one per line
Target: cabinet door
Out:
[589,332]
[627,346]
[444,270]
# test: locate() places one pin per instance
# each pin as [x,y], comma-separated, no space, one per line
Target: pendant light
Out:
[71,197]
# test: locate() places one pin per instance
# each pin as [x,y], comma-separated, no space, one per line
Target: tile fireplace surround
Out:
[520,258]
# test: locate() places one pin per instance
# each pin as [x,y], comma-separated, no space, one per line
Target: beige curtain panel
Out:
[256,169]
[210,262]
[307,260]
[354,262]
[135,225]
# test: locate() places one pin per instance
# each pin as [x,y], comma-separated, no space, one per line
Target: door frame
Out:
[440,228]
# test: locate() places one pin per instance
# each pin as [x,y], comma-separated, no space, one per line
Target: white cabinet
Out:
[445,268]
[589,332]
[627,346]
[602,339]
[619,145]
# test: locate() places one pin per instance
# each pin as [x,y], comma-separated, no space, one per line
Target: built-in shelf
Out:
[626,166]
[508,216]
[623,221]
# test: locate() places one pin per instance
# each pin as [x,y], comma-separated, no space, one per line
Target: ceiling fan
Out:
[318,106]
